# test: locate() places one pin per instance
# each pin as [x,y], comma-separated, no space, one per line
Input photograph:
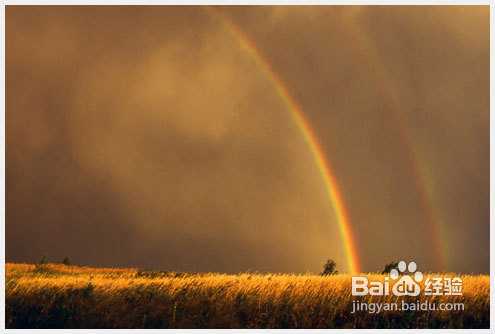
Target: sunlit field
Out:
[60,296]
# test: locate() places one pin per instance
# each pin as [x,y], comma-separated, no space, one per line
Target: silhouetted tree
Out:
[329,268]
[66,261]
[43,260]
[389,266]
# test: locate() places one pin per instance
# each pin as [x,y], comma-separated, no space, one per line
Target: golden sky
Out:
[150,137]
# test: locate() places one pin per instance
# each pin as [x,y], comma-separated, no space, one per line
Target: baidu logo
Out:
[402,281]
[407,285]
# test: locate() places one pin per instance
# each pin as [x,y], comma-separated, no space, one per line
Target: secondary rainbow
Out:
[324,166]
[421,175]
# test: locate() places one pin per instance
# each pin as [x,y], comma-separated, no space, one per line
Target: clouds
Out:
[150,129]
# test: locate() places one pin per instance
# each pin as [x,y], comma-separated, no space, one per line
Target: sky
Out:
[152,137]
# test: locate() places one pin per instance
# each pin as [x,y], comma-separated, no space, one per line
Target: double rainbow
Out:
[421,174]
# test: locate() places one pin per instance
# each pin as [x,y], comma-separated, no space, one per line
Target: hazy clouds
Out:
[145,136]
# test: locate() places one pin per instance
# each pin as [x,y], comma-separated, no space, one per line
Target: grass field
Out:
[59,296]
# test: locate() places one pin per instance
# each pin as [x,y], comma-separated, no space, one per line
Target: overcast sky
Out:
[145,136]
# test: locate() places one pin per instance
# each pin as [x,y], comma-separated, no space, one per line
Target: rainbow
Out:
[420,175]
[324,166]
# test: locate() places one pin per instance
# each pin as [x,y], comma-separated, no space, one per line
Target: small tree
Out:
[329,268]
[66,261]
[389,266]
[41,266]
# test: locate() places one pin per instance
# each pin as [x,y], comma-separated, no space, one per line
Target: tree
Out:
[389,266]
[329,268]
[43,260]
[66,261]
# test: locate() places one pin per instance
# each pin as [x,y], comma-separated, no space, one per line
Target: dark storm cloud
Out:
[145,136]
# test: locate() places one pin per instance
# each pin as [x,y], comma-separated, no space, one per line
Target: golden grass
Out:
[56,295]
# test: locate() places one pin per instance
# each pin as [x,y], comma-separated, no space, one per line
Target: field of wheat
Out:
[60,296]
